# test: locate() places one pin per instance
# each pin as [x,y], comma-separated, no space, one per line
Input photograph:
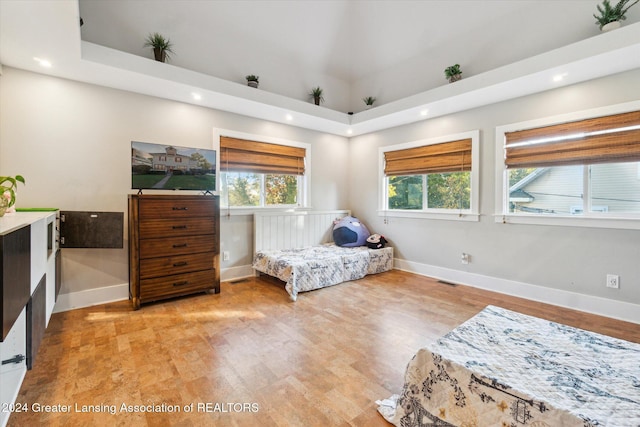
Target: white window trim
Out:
[306,178]
[471,214]
[589,219]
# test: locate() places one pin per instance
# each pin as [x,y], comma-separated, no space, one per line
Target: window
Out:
[584,169]
[262,174]
[436,178]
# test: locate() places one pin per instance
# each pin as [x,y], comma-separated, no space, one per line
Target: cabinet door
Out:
[11,374]
[15,271]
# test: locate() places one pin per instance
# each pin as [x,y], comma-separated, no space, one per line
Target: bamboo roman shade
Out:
[242,155]
[453,156]
[607,139]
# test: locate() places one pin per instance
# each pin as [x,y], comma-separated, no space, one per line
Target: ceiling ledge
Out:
[602,55]
[30,29]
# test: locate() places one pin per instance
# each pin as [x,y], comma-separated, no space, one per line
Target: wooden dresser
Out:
[173,246]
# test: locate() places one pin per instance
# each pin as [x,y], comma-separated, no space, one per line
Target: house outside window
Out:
[259,174]
[578,171]
[435,178]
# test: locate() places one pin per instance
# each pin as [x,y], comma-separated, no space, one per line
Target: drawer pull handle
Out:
[185,282]
[179,227]
[180,264]
[15,359]
[180,208]
[182,245]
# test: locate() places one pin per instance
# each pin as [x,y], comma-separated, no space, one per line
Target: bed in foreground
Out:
[502,368]
[296,248]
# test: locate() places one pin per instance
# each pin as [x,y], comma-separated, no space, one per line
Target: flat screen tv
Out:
[171,167]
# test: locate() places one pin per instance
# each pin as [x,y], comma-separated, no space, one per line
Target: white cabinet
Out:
[11,374]
[39,232]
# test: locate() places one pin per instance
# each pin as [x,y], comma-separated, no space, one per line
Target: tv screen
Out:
[170,167]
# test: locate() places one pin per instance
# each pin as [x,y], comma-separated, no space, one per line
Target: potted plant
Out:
[316,94]
[453,73]
[252,80]
[8,187]
[611,17]
[368,101]
[161,46]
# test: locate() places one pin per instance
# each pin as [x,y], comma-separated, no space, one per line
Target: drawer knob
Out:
[182,245]
[184,282]
[180,264]
[180,208]
[179,227]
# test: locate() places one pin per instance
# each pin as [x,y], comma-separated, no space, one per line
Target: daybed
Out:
[503,368]
[293,248]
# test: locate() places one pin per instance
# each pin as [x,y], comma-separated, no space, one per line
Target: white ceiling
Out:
[351,48]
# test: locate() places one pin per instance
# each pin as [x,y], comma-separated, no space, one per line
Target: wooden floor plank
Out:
[249,356]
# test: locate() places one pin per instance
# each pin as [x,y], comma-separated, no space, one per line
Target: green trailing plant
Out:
[610,13]
[316,94]
[369,100]
[8,187]
[161,46]
[453,73]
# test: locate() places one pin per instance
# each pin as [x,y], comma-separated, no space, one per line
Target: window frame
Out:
[471,214]
[588,219]
[304,181]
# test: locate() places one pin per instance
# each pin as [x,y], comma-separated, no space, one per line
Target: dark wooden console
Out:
[173,246]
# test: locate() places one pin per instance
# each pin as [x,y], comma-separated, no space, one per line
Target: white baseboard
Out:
[591,304]
[235,273]
[91,297]
[114,293]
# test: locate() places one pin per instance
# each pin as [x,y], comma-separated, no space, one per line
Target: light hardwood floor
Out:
[264,360]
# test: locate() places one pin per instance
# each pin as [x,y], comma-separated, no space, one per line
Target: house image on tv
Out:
[168,161]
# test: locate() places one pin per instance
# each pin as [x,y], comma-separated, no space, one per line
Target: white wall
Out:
[71,142]
[571,259]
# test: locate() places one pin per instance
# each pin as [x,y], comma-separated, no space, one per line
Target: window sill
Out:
[571,221]
[447,216]
[225,211]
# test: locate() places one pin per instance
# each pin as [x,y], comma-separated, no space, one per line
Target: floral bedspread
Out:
[502,368]
[306,269]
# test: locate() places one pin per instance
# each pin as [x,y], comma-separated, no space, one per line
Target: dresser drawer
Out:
[154,248]
[153,228]
[165,266]
[178,284]
[177,208]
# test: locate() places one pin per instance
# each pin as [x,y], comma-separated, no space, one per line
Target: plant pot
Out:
[613,25]
[160,54]
[316,100]
[252,83]
[455,78]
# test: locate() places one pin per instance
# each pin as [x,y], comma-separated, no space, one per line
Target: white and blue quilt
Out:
[502,368]
[315,267]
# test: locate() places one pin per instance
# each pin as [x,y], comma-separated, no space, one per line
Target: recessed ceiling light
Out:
[196,96]
[289,117]
[349,131]
[424,112]
[43,62]
[560,77]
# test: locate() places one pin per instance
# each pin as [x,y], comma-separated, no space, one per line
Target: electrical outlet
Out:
[225,255]
[613,281]
[465,258]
